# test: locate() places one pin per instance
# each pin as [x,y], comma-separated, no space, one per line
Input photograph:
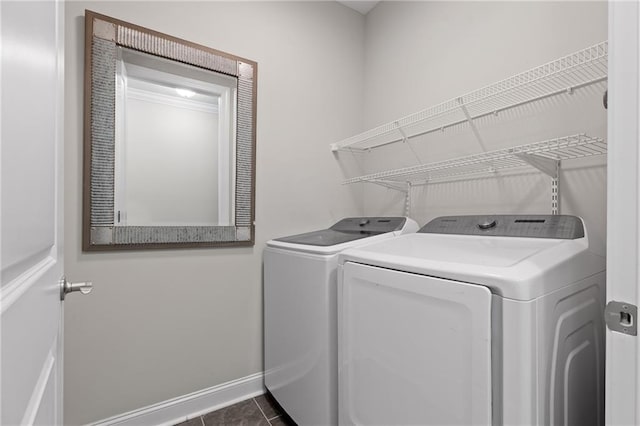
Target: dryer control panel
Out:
[526,226]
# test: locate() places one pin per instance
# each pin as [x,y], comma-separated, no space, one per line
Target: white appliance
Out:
[300,313]
[473,320]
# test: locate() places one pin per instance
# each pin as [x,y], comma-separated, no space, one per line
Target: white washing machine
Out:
[300,313]
[473,320]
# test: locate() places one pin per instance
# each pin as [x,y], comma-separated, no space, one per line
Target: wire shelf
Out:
[571,72]
[565,148]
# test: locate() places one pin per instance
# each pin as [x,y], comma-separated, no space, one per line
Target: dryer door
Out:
[413,349]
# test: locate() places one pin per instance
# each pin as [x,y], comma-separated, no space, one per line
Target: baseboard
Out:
[188,406]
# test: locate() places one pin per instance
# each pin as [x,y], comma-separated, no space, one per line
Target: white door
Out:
[623,214]
[412,349]
[31,87]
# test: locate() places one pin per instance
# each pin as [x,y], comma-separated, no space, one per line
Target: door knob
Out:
[67,287]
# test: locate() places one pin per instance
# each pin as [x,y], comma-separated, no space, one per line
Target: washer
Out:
[300,313]
[474,320]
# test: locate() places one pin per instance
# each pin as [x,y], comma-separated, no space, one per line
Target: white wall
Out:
[161,324]
[419,54]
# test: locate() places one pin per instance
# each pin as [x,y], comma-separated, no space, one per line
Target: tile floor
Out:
[259,411]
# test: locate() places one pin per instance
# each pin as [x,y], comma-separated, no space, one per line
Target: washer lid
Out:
[348,232]
[325,237]
[514,267]
[348,229]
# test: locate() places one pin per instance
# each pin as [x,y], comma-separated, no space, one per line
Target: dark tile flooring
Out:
[262,410]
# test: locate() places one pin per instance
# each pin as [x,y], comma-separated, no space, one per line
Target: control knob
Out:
[487,224]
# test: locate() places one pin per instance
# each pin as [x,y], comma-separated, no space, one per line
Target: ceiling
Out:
[361,6]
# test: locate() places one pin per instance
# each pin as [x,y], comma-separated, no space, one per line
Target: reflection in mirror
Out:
[173,152]
[169,141]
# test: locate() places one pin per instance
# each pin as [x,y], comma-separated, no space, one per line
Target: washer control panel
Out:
[370,224]
[527,226]
[348,229]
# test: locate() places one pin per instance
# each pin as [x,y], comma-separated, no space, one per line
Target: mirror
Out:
[169,141]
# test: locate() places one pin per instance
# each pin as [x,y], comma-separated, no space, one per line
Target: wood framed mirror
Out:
[169,141]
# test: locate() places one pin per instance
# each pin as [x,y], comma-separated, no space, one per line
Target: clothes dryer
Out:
[474,320]
[300,317]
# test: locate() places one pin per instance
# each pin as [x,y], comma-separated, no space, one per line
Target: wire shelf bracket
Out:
[407,201]
[546,165]
[551,168]
[398,186]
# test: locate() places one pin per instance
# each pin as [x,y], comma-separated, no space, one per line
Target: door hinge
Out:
[621,317]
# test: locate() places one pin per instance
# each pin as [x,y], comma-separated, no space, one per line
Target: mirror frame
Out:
[103,35]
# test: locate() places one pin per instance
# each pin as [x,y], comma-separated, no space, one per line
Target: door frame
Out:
[59,140]
[623,213]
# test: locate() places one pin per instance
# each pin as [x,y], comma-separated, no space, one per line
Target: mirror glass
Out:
[169,141]
[173,152]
